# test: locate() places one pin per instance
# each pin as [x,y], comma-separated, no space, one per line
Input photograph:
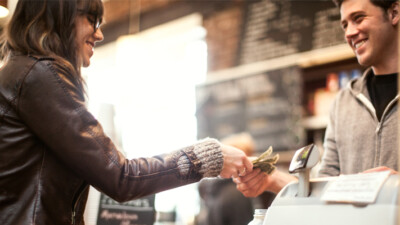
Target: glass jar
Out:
[259,215]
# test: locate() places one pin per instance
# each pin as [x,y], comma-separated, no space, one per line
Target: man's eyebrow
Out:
[351,16]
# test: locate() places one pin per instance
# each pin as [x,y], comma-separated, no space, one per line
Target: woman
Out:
[51,147]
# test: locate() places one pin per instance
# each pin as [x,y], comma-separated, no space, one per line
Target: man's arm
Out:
[330,165]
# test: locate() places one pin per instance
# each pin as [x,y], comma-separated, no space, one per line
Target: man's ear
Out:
[394,13]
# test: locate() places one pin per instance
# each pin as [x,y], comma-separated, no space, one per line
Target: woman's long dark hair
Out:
[47,28]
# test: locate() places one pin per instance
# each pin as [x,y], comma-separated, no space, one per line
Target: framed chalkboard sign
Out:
[136,212]
[267,105]
[275,28]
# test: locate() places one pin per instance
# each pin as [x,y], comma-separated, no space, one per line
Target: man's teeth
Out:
[359,44]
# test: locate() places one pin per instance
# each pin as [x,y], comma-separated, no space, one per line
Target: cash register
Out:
[357,199]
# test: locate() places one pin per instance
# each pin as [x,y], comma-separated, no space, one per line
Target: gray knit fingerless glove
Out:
[206,155]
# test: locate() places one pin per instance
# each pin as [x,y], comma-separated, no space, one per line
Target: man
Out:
[362,130]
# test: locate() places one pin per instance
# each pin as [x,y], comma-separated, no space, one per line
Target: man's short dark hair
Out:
[384,4]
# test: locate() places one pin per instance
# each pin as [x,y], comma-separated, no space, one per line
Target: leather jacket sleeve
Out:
[51,105]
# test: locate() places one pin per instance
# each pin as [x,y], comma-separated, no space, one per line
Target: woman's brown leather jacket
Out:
[52,148]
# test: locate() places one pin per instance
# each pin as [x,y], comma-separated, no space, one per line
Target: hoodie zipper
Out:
[388,107]
[371,108]
[379,128]
[76,201]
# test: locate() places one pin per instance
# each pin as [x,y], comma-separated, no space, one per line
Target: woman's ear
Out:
[394,13]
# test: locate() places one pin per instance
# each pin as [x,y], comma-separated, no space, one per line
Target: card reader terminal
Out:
[303,160]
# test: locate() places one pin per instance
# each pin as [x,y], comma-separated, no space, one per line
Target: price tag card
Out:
[355,188]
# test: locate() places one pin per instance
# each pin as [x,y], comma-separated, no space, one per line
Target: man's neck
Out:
[389,61]
[390,66]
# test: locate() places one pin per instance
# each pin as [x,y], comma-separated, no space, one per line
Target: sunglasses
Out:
[92,18]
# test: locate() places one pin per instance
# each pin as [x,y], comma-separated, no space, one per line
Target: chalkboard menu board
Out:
[136,212]
[275,28]
[266,105]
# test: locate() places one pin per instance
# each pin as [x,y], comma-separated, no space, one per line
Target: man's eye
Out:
[358,18]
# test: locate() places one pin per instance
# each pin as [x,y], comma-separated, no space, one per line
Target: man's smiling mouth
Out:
[359,44]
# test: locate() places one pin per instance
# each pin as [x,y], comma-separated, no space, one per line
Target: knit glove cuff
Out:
[205,157]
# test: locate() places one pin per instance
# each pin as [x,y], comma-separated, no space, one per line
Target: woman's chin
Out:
[86,64]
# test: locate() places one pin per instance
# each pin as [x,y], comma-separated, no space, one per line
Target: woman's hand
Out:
[236,163]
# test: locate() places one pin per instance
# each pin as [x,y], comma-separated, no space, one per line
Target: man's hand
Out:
[253,184]
[381,168]
[256,182]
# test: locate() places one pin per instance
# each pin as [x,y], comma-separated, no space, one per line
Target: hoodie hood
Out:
[359,85]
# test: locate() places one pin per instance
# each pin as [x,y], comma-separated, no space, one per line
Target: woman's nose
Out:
[98,34]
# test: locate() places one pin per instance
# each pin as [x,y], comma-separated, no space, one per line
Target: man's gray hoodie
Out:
[355,140]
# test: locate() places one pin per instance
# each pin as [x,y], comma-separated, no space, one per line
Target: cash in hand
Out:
[266,162]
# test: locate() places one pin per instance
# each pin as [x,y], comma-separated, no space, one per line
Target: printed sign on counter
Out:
[355,188]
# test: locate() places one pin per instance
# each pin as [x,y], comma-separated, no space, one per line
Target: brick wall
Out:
[223,22]
[122,9]
[223,37]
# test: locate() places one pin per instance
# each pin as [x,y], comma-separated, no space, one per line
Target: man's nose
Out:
[351,31]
